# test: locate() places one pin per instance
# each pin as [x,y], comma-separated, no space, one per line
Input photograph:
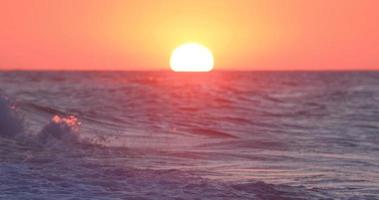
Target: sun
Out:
[191,57]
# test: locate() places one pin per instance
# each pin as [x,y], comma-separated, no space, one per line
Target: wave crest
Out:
[61,128]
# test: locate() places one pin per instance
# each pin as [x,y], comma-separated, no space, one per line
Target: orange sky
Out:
[140,34]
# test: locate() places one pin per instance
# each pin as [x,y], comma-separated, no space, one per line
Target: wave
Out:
[61,128]
[93,180]
[212,133]
[44,109]
[10,122]
[64,129]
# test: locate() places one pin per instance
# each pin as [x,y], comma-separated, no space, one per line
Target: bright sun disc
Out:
[191,58]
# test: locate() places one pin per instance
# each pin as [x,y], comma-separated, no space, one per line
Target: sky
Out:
[141,34]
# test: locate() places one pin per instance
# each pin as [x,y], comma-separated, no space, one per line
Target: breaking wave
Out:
[64,129]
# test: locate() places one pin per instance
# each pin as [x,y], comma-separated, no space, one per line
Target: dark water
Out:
[161,135]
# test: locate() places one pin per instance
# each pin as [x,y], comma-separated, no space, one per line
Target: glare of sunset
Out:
[191,57]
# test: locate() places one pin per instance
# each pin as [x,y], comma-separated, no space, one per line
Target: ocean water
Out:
[164,135]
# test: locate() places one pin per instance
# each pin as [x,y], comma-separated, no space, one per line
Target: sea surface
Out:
[165,135]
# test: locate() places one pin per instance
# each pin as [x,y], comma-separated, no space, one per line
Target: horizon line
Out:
[168,70]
